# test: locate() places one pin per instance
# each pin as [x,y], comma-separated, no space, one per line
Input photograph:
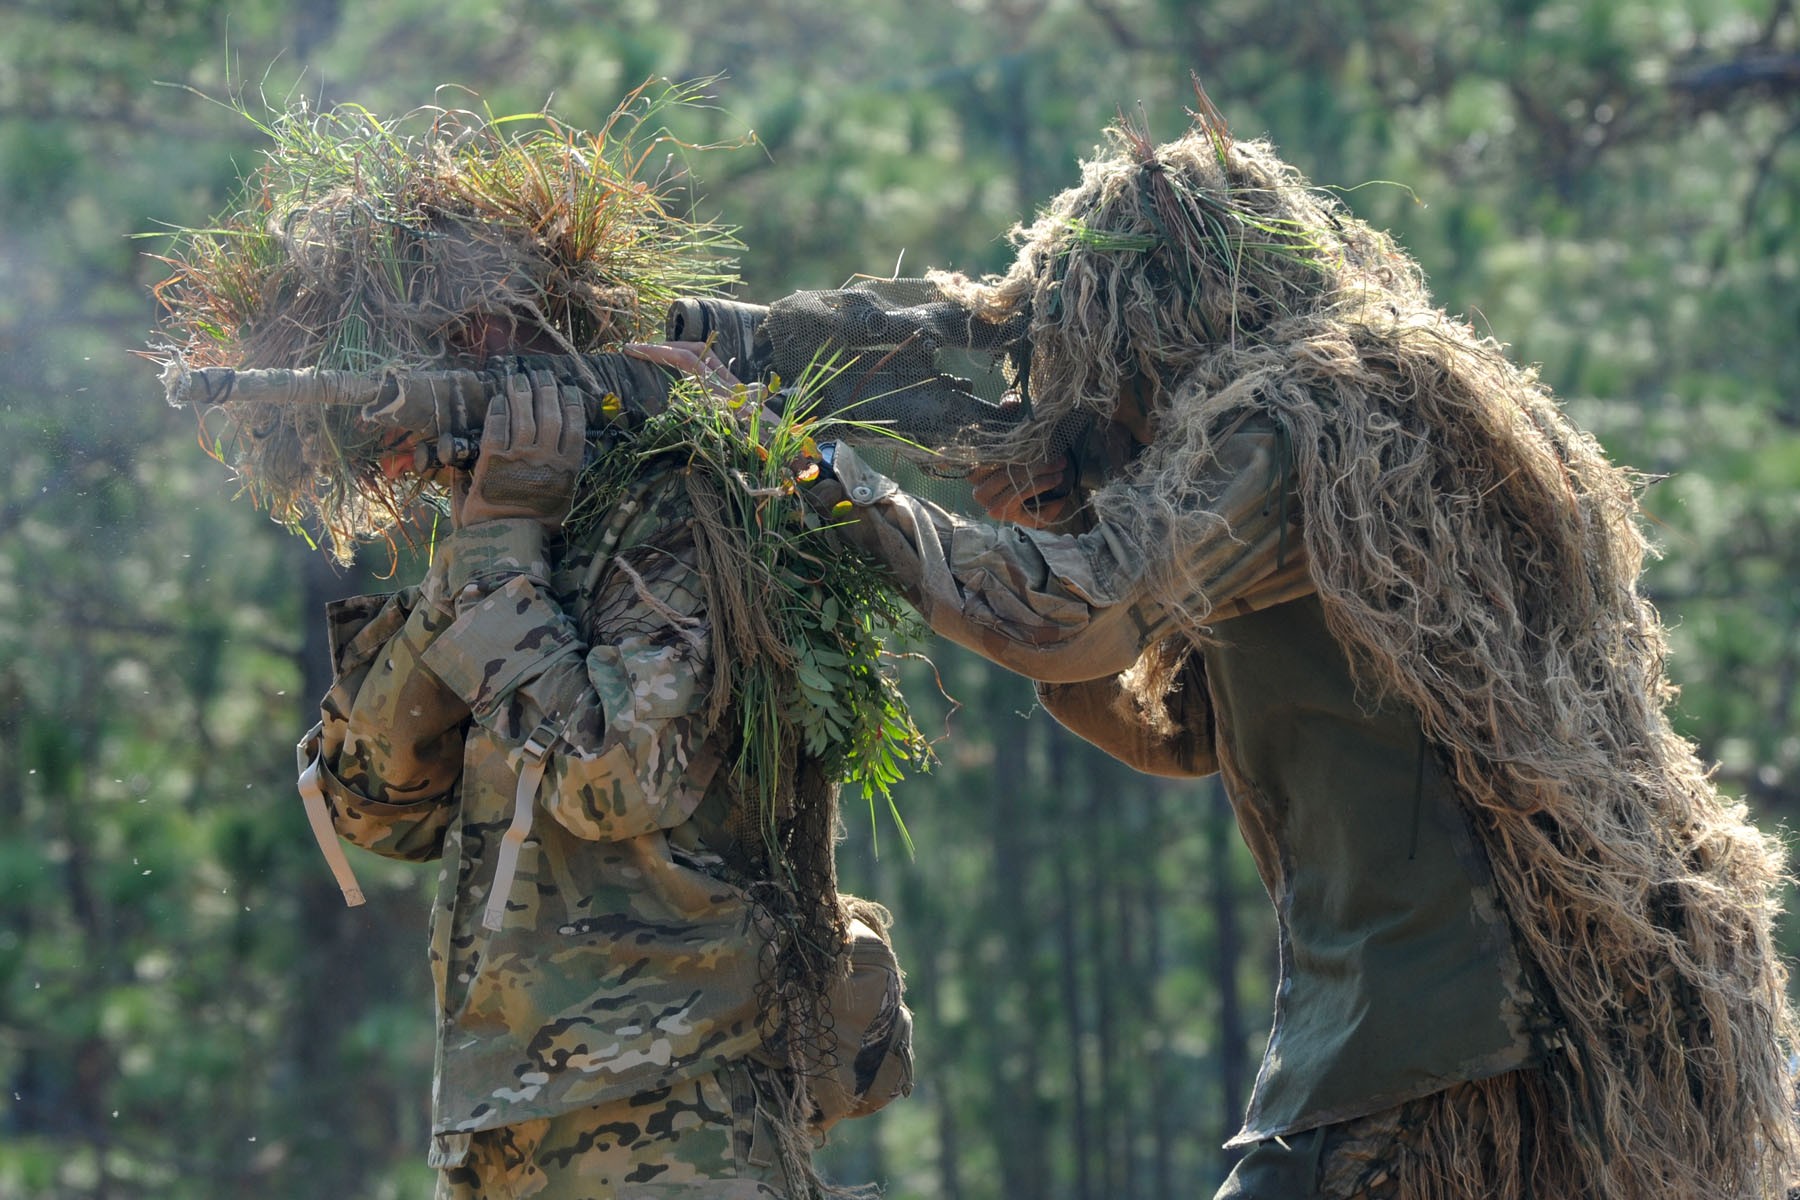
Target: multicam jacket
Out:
[1399,974]
[621,962]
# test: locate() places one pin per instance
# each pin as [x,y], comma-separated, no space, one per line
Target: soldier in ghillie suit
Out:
[624,1007]
[1280,517]
[647,983]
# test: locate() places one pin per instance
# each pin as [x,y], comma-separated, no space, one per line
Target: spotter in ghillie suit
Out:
[1282,518]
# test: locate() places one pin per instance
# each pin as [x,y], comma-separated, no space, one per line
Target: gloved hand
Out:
[531,447]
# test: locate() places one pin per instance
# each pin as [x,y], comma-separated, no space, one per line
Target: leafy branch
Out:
[810,670]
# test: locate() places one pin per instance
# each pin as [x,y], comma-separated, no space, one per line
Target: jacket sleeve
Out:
[391,735]
[1103,711]
[627,751]
[1067,607]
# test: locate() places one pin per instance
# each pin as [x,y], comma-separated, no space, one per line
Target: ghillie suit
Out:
[1477,556]
[442,238]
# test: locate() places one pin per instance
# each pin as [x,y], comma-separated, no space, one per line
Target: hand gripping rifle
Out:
[874,347]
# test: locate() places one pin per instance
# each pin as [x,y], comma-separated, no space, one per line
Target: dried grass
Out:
[360,243]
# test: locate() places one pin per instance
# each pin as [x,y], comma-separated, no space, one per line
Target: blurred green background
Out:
[187,1010]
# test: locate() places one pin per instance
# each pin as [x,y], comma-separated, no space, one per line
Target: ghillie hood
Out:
[1477,556]
[361,243]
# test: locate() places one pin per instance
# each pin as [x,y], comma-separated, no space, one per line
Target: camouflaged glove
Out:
[531,448]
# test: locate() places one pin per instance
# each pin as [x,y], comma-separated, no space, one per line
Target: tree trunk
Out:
[1069,977]
[1228,942]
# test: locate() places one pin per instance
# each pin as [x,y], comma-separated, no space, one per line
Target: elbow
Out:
[1060,668]
[1070,660]
[1165,758]
[1181,764]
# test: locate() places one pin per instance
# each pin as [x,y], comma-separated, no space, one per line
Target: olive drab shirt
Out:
[622,963]
[1399,974]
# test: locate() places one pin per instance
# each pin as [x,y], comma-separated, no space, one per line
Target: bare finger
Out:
[704,352]
[690,358]
[1017,481]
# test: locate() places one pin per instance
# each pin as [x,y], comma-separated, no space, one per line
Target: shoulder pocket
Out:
[358,626]
[640,682]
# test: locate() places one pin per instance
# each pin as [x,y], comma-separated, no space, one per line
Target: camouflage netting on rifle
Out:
[364,245]
[894,355]
[1478,556]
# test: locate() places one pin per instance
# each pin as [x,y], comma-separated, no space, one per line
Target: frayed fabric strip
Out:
[318,815]
[535,752]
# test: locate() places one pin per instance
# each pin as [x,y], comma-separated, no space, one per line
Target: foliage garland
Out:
[810,671]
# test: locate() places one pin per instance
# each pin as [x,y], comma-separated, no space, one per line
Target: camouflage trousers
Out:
[700,1140]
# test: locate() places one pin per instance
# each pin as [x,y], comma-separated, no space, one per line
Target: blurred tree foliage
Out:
[185,1008]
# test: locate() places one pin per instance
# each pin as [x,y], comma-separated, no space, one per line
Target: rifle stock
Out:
[445,408]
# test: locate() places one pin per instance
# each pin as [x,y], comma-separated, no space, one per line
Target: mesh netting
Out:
[927,385]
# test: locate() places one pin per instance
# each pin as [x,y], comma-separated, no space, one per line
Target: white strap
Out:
[534,752]
[318,815]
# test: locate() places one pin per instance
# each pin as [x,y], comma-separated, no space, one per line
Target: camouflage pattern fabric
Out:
[1067,606]
[703,1138]
[625,964]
